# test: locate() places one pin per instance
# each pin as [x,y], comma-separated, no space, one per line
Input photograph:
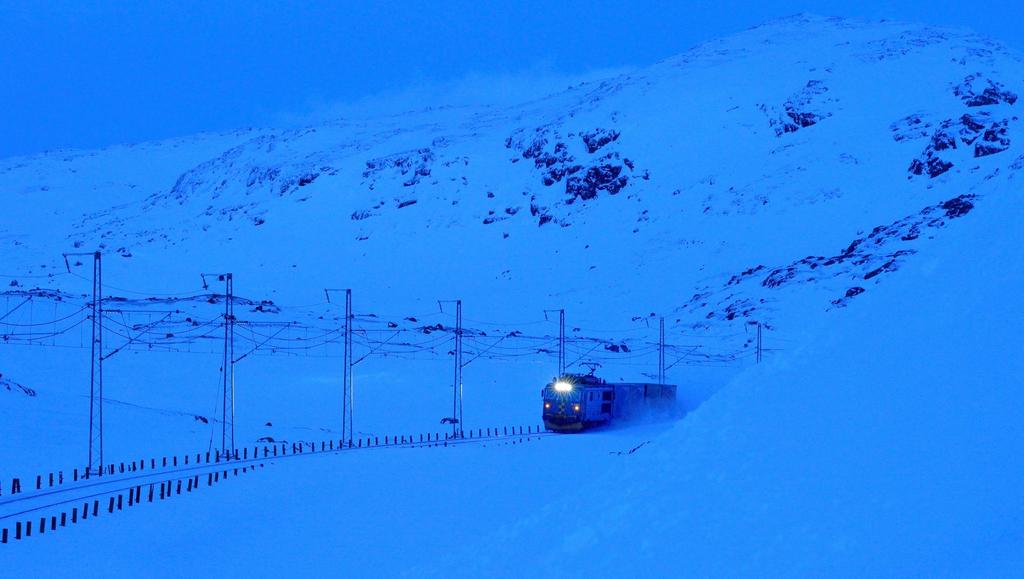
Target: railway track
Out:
[33,502]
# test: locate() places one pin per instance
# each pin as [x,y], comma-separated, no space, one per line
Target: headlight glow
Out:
[563,386]
[576,407]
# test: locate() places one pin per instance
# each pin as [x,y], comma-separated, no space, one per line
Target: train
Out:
[577,402]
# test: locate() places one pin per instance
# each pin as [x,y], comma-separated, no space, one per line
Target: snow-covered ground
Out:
[851,186]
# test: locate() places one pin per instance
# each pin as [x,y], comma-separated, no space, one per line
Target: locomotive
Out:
[575,402]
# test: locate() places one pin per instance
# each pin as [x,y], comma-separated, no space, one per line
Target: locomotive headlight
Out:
[563,386]
[576,407]
[547,405]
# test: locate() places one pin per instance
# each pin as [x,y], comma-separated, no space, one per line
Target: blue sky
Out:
[83,74]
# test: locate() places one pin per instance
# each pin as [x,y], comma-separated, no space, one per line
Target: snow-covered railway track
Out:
[31,503]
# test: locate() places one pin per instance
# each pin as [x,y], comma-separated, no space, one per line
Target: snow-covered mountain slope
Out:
[810,175]
[889,447]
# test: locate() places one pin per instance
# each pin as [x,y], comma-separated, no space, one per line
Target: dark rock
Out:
[886,267]
[995,140]
[598,138]
[931,165]
[991,92]
[910,128]
[958,206]
[606,178]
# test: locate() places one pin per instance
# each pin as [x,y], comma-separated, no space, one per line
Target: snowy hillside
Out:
[851,186]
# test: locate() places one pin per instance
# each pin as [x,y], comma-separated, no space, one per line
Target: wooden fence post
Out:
[110,506]
[74,515]
[15,486]
[17,531]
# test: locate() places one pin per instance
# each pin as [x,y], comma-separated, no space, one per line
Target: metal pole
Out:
[661,352]
[96,369]
[227,440]
[347,394]
[231,353]
[758,342]
[458,357]
[347,380]
[561,343]
[457,382]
